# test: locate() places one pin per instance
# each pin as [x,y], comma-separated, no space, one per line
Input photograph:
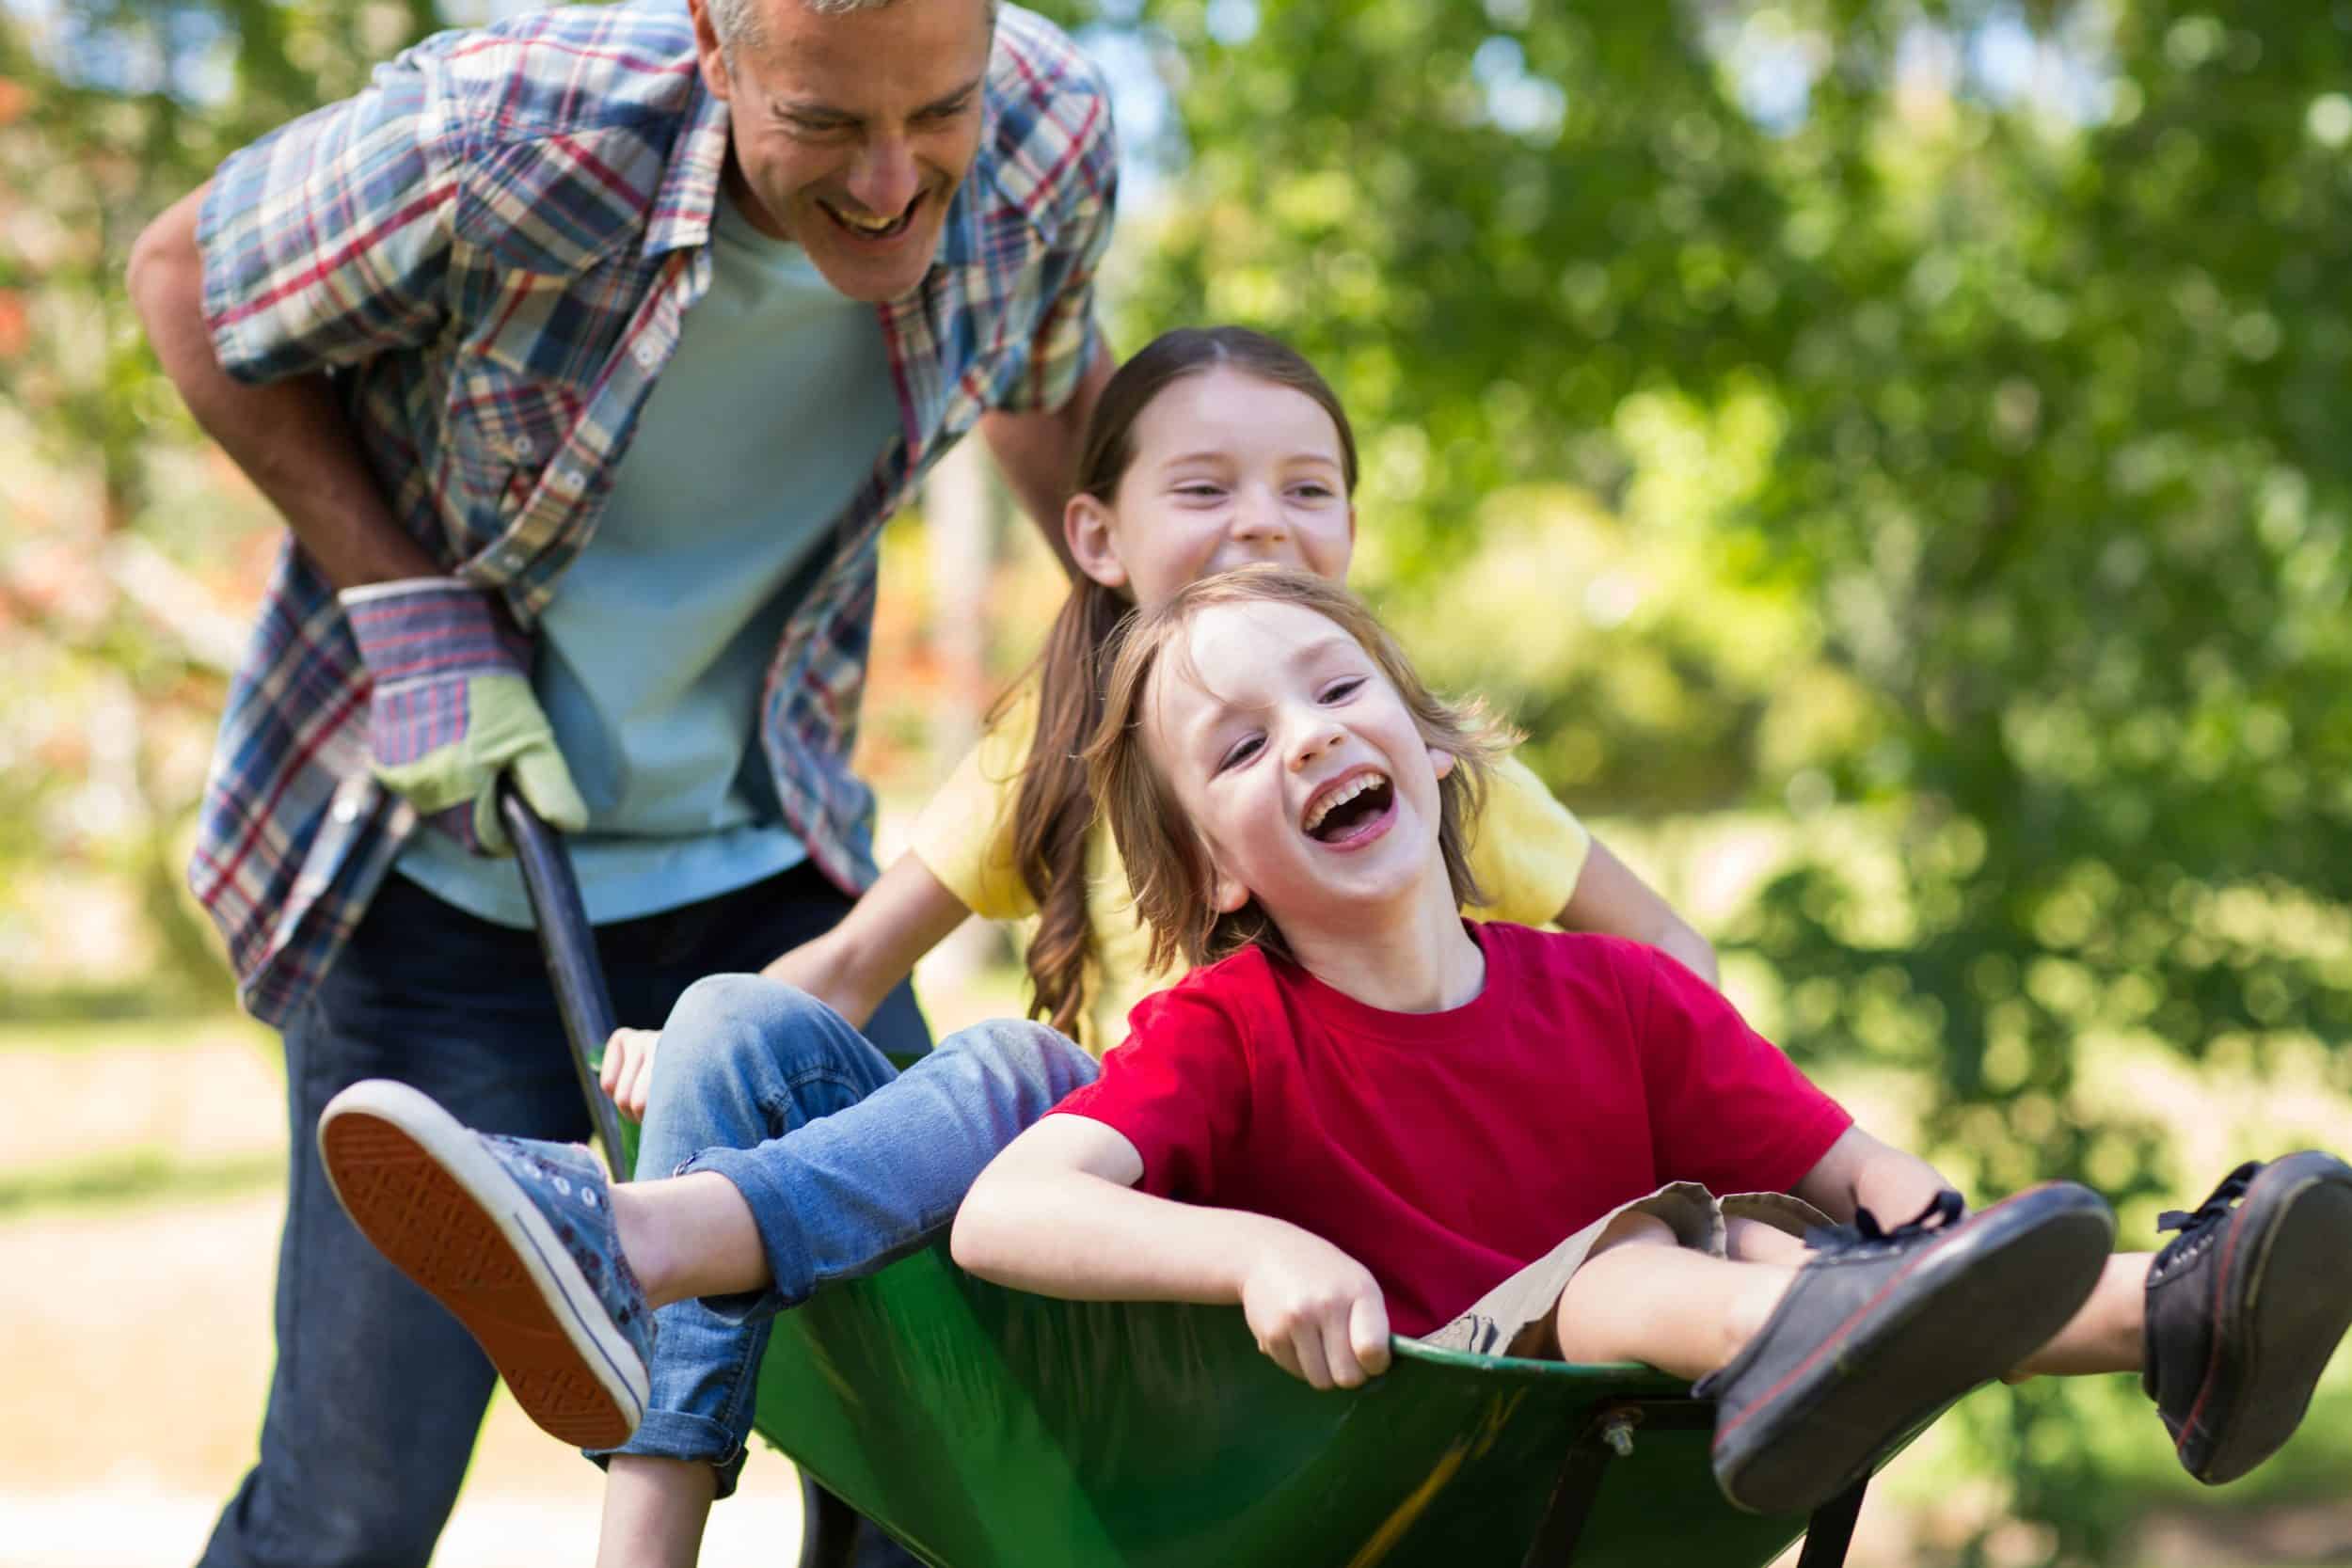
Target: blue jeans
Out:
[847,1163]
[377,1392]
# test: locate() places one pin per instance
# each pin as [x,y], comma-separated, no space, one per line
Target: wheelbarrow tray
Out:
[988,1428]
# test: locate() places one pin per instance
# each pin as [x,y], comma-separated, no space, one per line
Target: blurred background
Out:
[1889,455]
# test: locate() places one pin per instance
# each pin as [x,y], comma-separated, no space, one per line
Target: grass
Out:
[143,1176]
[82,1034]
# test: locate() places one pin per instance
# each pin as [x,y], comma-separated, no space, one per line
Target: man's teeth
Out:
[1341,796]
[868,225]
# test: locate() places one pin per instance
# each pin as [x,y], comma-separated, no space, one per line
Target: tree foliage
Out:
[1966,379]
[122,580]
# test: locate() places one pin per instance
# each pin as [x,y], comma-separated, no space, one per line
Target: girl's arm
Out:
[1861,1172]
[906,913]
[1611,899]
[1057,1213]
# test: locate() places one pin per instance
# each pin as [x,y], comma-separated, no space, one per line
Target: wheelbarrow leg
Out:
[1831,1531]
[1608,1434]
[1609,1430]
[828,1527]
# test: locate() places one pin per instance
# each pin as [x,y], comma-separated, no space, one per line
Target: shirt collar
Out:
[689,196]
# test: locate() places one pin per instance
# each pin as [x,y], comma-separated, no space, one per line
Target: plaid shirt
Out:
[492,248]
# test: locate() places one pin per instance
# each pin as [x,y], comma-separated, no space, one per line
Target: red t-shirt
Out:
[1446,1151]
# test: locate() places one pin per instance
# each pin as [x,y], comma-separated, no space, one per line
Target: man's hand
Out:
[453,708]
[1316,1311]
[626,1071]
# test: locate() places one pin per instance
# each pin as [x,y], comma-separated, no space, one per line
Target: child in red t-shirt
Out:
[1371,1113]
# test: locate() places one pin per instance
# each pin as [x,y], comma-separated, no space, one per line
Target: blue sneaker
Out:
[514,1237]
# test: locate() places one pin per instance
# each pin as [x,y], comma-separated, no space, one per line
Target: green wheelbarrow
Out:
[986,1427]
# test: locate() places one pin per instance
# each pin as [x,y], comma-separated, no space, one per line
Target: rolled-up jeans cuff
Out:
[676,1434]
[789,1272]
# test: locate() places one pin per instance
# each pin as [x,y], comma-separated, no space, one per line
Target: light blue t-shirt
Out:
[773,410]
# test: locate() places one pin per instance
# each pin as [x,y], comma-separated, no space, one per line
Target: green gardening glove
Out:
[453,708]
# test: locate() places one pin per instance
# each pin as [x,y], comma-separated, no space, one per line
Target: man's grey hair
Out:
[736,22]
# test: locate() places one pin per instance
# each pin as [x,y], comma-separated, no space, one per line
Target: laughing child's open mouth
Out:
[1340,811]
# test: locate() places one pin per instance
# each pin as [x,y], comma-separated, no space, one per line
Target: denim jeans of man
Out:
[378,1393]
[846,1163]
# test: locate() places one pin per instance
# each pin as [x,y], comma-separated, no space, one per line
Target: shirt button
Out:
[346,810]
[522,446]
[572,479]
[645,356]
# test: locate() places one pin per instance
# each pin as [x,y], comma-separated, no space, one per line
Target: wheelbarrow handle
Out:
[568,944]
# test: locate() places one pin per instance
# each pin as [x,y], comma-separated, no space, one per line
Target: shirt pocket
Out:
[502,428]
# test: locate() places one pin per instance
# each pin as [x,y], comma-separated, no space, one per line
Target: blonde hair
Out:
[1168,865]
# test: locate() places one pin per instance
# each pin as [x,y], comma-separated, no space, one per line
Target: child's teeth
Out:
[1339,796]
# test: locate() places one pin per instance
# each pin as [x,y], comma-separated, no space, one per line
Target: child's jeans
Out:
[848,1164]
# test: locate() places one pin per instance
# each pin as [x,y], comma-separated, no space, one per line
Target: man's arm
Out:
[1057,1214]
[291,436]
[1039,452]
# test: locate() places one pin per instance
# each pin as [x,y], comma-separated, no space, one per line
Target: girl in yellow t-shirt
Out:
[1210,448]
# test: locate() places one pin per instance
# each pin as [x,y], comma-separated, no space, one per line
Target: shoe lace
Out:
[1944,1210]
[2188,1222]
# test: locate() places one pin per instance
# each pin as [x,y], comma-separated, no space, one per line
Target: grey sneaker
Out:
[514,1237]
[1883,1328]
[2244,1307]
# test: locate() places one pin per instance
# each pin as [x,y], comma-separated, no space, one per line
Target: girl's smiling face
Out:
[1227,470]
[1298,764]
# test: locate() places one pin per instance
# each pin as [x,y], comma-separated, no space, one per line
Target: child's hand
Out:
[1317,1312]
[626,1071]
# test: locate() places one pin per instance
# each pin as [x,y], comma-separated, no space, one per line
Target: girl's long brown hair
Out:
[1054,812]
[1167,861]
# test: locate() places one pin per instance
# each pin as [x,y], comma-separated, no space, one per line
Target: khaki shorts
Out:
[1507,1318]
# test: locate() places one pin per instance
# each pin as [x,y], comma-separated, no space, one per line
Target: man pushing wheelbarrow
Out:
[585,356]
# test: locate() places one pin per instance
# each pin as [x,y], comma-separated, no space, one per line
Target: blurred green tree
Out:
[1920,418]
[110,111]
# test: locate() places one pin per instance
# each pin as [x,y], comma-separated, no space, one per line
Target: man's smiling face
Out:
[850,132]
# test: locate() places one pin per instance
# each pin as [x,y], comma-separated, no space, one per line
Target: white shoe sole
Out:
[420,1185]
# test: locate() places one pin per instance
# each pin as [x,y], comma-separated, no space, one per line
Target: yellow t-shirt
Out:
[1526,849]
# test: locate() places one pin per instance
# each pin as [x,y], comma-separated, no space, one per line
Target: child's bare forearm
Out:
[1082,1238]
[1693,952]
[1861,1172]
[1610,898]
[1056,1213]
[853,966]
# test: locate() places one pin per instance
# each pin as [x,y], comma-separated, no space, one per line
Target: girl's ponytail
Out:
[1053,814]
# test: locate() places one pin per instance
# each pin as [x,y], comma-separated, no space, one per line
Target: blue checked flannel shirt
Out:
[491,249]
